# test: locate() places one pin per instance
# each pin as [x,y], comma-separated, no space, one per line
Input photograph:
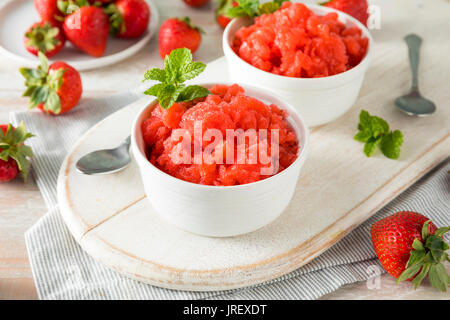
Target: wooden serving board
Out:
[338,188]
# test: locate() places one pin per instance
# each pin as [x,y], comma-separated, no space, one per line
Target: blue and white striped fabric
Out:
[62,270]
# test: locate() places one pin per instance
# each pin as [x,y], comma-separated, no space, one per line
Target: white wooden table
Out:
[21,204]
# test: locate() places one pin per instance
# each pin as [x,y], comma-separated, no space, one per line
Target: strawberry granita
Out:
[295,42]
[226,109]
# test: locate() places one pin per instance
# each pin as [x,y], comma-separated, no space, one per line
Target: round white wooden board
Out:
[16,16]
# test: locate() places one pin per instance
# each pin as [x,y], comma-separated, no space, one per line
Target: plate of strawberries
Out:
[87,34]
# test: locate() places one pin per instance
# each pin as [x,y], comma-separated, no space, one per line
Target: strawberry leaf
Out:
[425,230]
[438,277]
[409,272]
[441,231]
[422,274]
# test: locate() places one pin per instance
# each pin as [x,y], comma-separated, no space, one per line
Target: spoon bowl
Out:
[416,105]
[106,161]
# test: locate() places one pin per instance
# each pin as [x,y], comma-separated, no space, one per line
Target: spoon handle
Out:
[414,41]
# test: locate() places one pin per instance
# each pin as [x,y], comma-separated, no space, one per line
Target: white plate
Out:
[16,16]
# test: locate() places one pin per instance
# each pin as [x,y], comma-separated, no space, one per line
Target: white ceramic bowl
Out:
[220,211]
[319,100]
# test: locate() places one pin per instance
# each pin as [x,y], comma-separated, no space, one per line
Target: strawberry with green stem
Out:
[178,33]
[222,8]
[128,18]
[46,37]
[87,28]
[178,68]
[55,88]
[48,10]
[411,247]
[14,155]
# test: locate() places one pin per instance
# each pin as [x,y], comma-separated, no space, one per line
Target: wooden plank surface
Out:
[21,204]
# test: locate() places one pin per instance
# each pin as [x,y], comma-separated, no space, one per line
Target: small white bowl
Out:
[220,211]
[319,100]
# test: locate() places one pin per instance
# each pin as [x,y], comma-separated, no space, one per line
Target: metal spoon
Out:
[106,161]
[413,103]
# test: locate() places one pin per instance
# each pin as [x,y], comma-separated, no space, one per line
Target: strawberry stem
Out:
[426,259]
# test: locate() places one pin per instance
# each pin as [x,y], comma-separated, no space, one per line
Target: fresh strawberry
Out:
[13,153]
[178,33]
[101,1]
[44,36]
[54,89]
[196,3]
[409,246]
[129,18]
[48,9]
[222,7]
[356,8]
[223,21]
[87,28]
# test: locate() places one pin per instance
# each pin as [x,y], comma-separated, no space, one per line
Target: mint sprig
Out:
[426,259]
[374,132]
[252,8]
[178,68]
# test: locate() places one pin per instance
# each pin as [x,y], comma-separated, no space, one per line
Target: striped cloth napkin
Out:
[62,270]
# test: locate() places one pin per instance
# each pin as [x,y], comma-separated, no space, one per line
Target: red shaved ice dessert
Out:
[227,107]
[295,42]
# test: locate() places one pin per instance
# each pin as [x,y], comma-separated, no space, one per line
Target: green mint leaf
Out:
[391,143]
[176,63]
[363,136]
[156,90]
[167,94]
[374,131]
[178,67]
[155,74]
[192,70]
[192,92]
[378,126]
[371,145]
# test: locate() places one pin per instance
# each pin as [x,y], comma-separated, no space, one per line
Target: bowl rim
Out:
[302,152]
[230,52]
